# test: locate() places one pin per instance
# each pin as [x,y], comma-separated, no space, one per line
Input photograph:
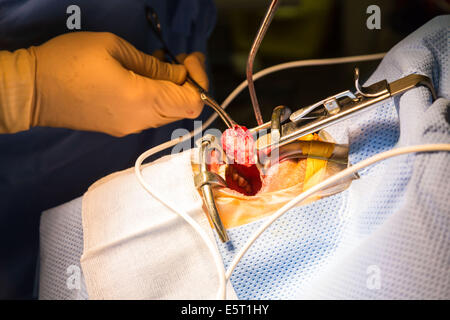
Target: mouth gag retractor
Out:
[342,106]
[206,181]
[283,142]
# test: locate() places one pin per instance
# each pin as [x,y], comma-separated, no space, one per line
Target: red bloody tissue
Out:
[245,179]
[239,145]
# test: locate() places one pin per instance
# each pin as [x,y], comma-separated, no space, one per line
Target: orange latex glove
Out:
[97,82]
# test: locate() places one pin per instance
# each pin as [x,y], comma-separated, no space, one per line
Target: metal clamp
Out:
[343,106]
[206,180]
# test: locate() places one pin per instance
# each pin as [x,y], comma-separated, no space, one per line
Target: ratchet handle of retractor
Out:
[342,106]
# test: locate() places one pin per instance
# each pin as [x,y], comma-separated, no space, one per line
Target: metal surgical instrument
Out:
[153,20]
[251,57]
[339,107]
[283,143]
[206,180]
[283,135]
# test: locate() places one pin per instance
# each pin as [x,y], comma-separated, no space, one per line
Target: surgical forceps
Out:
[153,20]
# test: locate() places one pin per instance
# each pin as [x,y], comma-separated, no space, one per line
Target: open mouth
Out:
[243,179]
[241,173]
[244,176]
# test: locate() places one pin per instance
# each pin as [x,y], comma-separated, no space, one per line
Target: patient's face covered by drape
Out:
[252,193]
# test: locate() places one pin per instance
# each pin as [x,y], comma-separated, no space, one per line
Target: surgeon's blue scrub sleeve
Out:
[45,167]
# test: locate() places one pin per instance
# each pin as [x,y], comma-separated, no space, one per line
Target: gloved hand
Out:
[99,82]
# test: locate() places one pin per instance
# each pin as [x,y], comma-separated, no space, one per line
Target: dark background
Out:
[308,29]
